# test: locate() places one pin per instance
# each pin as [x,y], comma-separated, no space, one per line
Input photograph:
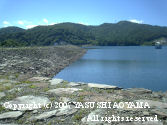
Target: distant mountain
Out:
[121,33]
[11,29]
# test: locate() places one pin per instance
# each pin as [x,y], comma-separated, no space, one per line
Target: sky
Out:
[29,13]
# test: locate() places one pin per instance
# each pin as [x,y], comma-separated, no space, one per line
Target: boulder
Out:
[144,123]
[35,79]
[2,94]
[67,110]
[44,115]
[35,111]
[102,86]
[11,115]
[90,116]
[9,124]
[56,81]
[7,84]
[73,84]
[61,91]
[139,91]
[27,103]
[162,113]
[154,104]
[18,89]
[64,99]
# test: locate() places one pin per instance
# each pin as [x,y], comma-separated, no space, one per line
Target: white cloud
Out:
[45,21]
[53,23]
[31,26]
[136,21]
[20,22]
[6,23]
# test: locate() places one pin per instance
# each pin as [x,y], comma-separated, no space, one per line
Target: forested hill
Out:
[121,33]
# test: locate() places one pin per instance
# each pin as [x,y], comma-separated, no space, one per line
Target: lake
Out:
[123,66]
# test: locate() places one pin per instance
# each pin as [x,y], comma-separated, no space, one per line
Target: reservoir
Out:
[122,66]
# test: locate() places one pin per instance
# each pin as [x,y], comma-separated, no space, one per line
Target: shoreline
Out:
[61,102]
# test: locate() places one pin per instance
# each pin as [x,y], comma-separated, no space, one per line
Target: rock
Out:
[58,112]
[4,81]
[154,104]
[152,123]
[15,90]
[60,91]
[7,84]
[102,86]
[64,99]
[157,95]
[11,115]
[73,84]
[9,124]
[98,112]
[99,98]
[2,94]
[144,123]
[56,81]
[82,83]
[44,115]
[35,111]
[41,84]
[66,110]
[139,90]
[35,79]
[33,102]
[162,113]
[145,113]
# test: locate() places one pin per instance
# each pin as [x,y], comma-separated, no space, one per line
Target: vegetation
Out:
[121,33]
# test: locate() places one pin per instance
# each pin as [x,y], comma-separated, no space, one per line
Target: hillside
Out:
[121,33]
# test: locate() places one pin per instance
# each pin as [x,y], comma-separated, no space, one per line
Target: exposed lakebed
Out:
[127,67]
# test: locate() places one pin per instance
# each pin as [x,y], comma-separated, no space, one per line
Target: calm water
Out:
[127,67]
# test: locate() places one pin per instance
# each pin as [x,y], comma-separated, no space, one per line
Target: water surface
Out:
[127,67]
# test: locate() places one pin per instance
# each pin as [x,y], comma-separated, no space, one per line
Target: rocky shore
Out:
[40,61]
[29,95]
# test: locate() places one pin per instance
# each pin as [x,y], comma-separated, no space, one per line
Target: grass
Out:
[18,83]
[16,75]
[52,99]
[80,99]
[97,90]
[79,115]
[49,123]
[2,108]
[3,88]
[21,121]
[62,85]
[10,96]
[32,86]
[109,91]
[46,89]
[27,82]
[4,77]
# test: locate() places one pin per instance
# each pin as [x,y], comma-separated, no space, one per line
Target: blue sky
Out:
[29,13]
